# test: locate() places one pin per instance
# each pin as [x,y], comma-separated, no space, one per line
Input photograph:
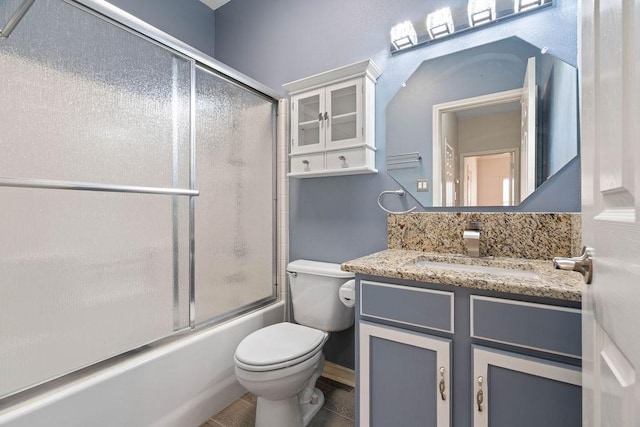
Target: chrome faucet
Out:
[471,236]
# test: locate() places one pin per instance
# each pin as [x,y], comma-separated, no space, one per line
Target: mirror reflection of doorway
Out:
[489,179]
[488,124]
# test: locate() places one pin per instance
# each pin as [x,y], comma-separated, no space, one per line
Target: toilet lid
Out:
[279,343]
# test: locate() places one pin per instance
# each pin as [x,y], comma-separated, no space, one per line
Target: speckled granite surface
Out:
[517,235]
[539,278]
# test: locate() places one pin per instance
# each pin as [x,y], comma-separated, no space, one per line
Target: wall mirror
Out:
[483,127]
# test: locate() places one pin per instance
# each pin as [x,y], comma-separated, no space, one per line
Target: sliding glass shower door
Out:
[100,131]
[235,175]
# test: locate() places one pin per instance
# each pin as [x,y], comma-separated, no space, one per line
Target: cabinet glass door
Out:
[345,125]
[308,122]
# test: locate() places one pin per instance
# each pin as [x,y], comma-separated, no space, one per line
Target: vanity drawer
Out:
[351,158]
[534,326]
[425,308]
[313,162]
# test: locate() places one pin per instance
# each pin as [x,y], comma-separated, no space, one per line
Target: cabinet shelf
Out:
[311,124]
[344,118]
[333,172]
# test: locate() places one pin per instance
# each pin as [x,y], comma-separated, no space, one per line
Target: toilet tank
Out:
[314,290]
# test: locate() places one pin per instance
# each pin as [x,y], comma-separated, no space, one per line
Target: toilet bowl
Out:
[281,363]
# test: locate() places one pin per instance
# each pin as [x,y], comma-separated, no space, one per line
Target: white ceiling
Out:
[214,4]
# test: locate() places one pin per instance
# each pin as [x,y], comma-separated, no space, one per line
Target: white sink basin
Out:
[479,269]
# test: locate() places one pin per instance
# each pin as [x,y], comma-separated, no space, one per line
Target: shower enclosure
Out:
[137,188]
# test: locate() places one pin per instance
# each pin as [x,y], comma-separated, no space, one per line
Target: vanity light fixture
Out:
[470,15]
[403,35]
[522,5]
[481,11]
[440,23]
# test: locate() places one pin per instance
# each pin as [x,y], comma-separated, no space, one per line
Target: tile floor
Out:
[338,409]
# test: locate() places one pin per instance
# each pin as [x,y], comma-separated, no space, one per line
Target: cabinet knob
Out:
[441,385]
[326,116]
[480,394]
[319,117]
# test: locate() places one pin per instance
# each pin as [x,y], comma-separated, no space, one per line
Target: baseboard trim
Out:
[339,374]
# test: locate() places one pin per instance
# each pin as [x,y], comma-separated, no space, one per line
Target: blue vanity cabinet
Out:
[404,375]
[414,388]
[503,359]
[511,389]
[515,388]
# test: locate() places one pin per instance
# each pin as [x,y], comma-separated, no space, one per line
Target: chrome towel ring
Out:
[399,193]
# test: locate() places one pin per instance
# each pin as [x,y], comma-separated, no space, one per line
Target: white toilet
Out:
[281,363]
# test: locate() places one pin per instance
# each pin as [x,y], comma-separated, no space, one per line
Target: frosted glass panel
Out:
[85,100]
[234,212]
[86,276]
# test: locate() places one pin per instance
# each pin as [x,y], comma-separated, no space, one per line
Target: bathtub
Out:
[182,383]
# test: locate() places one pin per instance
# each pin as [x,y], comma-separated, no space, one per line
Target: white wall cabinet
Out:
[333,122]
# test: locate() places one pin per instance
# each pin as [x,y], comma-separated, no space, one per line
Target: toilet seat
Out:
[279,346]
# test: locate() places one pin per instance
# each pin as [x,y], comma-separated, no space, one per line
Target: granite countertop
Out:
[527,277]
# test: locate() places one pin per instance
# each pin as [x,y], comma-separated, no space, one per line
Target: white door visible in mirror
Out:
[528,110]
[485,127]
[487,69]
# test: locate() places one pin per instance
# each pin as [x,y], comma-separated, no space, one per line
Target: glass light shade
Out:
[440,23]
[481,11]
[403,35]
[522,5]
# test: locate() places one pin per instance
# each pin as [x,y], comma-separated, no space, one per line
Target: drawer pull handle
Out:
[305,162]
[441,386]
[479,394]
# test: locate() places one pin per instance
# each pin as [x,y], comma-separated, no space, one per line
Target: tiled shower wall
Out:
[518,235]
[283,197]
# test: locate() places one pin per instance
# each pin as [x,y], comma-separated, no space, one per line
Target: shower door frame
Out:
[128,22]
[105,11]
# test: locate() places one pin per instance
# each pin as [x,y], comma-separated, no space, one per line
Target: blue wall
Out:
[336,219]
[189,21]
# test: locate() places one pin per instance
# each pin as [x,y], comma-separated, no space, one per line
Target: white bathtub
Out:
[180,384]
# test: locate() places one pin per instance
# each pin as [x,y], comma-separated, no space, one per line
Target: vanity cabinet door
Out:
[405,378]
[514,390]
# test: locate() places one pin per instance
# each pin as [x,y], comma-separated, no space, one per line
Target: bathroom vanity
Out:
[452,341]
